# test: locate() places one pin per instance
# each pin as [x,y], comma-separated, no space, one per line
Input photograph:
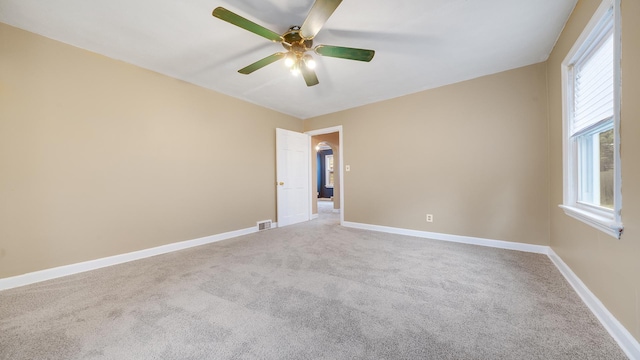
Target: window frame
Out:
[604,219]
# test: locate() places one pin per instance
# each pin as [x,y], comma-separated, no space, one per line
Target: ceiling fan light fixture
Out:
[290,60]
[309,62]
[295,69]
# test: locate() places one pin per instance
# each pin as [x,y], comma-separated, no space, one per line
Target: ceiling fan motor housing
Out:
[294,42]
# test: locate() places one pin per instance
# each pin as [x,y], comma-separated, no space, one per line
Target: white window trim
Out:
[606,220]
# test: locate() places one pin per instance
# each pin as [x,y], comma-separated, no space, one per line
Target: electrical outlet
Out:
[429,218]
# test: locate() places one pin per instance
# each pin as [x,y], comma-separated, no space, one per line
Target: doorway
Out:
[325,174]
[327,183]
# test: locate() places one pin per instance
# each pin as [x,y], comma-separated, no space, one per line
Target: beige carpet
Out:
[309,291]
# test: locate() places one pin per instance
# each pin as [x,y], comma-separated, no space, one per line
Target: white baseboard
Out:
[48,274]
[620,334]
[539,249]
[314,216]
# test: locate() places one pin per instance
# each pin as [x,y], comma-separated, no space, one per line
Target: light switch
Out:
[347,167]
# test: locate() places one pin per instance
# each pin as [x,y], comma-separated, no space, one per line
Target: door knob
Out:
[281,183]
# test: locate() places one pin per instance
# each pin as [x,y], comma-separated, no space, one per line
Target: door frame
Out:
[329,130]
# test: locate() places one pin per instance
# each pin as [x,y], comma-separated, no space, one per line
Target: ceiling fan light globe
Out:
[309,62]
[289,61]
[295,69]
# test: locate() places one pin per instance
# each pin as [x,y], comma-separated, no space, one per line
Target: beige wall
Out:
[100,158]
[609,267]
[473,154]
[333,140]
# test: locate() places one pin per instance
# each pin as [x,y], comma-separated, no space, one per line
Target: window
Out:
[328,161]
[591,105]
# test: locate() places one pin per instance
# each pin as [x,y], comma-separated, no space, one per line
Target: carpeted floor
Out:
[309,291]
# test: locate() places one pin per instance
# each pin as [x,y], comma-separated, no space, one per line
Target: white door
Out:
[292,177]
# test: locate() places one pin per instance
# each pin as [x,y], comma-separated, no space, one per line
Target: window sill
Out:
[602,223]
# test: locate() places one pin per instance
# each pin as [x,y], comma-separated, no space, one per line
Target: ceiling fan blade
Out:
[237,20]
[309,76]
[261,63]
[345,52]
[318,15]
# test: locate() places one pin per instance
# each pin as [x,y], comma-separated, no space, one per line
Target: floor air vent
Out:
[264,225]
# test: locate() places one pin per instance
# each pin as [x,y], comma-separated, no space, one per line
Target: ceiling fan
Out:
[298,40]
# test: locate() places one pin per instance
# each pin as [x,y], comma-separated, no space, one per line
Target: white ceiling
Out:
[419,44]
